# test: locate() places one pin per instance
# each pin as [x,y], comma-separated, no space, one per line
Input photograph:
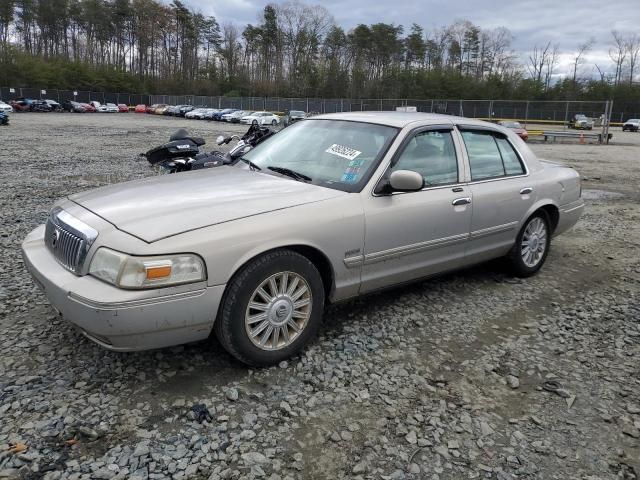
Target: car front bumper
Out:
[117,319]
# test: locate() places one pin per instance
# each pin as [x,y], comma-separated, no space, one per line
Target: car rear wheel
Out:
[271,308]
[532,246]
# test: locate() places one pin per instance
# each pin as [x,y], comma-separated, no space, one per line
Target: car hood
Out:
[167,205]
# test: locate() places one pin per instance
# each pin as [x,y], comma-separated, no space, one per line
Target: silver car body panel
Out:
[231,215]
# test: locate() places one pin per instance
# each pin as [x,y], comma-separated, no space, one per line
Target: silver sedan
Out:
[328,209]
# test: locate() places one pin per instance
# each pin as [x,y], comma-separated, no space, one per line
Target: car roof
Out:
[401,119]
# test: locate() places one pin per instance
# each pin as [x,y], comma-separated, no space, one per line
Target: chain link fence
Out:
[527,112]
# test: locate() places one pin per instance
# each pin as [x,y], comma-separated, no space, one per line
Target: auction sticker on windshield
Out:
[342,151]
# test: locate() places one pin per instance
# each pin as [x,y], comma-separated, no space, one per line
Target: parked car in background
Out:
[152,108]
[254,252]
[5,107]
[21,104]
[89,107]
[236,116]
[184,109]
[172,110]
[633,125]
[261,118]
[294,116]
[517,128]
[40,106]
[74,107]
[217,116]
[141,108]
[122,108]
[581,122]
[55,106]
[210,113]
[161,109]
[111,107]
[199,113]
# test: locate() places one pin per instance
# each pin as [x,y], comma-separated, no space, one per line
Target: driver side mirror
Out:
[405,181]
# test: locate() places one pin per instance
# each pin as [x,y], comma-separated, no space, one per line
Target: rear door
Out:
[501,188]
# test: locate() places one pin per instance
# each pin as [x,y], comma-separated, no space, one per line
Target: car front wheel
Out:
[271,308]
[274,122]
[532,246]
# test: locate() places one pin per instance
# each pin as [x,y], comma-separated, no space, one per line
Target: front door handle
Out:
[461,201]
[526,190]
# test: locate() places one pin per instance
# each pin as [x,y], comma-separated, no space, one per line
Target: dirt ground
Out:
[471,375]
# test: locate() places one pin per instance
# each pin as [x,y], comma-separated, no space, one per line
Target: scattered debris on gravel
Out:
[472,375]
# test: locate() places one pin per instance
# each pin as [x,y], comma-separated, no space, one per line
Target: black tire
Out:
[229,326]
[514,258]
[273,122]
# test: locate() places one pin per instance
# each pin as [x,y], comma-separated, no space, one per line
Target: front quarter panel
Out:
[335,227]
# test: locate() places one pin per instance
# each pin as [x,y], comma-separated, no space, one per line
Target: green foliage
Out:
[295,49]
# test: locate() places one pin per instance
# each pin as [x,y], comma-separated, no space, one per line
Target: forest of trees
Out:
[294,49]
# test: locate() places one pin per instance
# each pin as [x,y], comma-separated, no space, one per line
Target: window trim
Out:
[462,128]
[400,150]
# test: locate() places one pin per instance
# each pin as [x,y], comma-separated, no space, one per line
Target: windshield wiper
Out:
[250,163]
[290,173]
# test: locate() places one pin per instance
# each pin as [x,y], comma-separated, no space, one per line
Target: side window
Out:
[484,157]
[512,163]
[432,154]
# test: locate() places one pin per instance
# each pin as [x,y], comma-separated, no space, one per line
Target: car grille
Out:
[68,239]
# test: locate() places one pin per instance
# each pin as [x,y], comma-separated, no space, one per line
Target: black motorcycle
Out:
[183,154]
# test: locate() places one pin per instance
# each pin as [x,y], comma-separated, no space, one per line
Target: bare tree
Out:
[550,66]
[578,58]
[230,50]
[618,54]
[602,73]
[538,59]
[633,52]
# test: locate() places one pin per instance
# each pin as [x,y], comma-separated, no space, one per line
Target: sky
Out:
[532,22]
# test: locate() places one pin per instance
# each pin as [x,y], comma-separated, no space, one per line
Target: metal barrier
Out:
[525,111]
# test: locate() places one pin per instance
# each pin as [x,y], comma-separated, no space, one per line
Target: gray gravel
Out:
[472,375]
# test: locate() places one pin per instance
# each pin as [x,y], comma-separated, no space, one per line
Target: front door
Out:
[416,234]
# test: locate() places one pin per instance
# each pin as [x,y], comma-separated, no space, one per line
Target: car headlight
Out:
[126,271]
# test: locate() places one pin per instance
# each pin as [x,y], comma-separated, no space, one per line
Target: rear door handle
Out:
[526,190]
[461,201]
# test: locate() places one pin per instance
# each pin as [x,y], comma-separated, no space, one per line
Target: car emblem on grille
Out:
[55,237]
[281,311]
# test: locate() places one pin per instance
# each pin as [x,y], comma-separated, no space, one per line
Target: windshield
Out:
[332,153]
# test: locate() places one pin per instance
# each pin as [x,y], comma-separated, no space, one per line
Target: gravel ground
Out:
[472,375]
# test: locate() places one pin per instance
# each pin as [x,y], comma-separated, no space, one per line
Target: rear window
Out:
[490,155]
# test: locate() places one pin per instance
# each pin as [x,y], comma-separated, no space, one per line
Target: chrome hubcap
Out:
[534,242]
[278,311]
